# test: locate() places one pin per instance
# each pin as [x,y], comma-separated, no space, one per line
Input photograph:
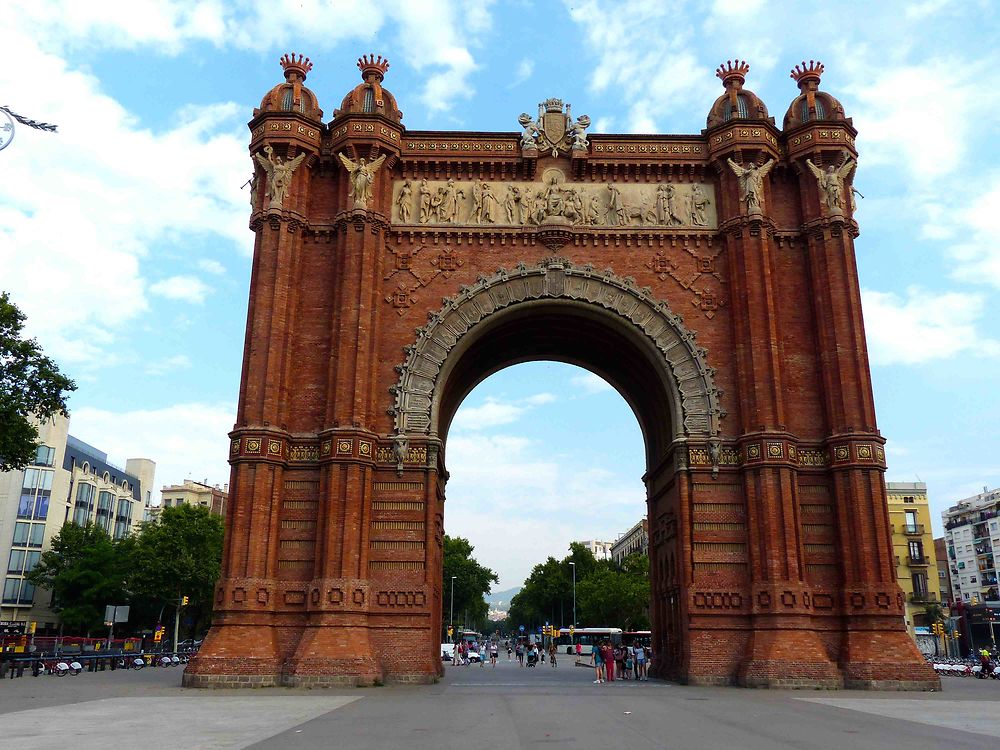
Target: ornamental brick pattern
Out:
[732,325]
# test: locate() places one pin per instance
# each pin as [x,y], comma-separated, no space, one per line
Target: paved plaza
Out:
[472,707]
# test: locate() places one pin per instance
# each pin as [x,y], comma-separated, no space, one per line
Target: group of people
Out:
[625,662]
[530,653]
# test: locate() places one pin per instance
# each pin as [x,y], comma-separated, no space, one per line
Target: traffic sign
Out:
[521,628]
[12,627]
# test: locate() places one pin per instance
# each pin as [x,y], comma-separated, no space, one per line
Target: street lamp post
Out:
[573,565]
[451,617]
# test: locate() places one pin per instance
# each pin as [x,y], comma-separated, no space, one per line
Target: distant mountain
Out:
[501,599]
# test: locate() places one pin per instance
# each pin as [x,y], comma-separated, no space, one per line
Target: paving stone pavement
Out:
[472,707]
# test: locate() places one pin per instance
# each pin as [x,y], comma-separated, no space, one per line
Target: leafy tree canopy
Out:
[472,582]
[85,569]
[607,594]
[31,387]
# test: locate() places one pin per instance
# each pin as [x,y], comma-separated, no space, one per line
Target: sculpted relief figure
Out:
[255,192]
[450,200]
[425,202]
[699,206]
[362,176]
[279,176]
[529,138]
[404,201]
[481,202]
[831,183]
[578,132]
[751,180]
[616,210]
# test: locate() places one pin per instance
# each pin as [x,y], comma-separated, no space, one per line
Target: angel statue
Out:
[752,183]
[279,176]
[362,175]
[831,183]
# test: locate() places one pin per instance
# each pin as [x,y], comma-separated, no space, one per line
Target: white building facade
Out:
[68,482]
[972,533]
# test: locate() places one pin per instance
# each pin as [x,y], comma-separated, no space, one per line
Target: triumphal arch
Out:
[711,278]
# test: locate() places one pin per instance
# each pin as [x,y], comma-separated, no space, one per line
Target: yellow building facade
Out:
[913,545]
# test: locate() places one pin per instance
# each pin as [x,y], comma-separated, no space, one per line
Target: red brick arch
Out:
[369,320]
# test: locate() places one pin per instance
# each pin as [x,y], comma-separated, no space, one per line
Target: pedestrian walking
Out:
[597,660]
[552,654]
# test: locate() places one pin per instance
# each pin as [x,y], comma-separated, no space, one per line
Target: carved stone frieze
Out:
[556,279]
[511,204]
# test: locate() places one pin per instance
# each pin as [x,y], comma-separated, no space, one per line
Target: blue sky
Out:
[152,99]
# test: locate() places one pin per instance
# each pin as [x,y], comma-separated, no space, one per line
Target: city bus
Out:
[587,637]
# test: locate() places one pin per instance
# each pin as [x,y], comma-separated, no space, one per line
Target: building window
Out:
[123,519]
[919,583]
[16,562]
[45,456]
[105,507]
[820,109]
[908,499]
[916,551]
[11,589]
[369,103]
[84,504]
[21,533]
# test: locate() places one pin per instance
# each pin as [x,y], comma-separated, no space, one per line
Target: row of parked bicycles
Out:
[966,668]
[62,666]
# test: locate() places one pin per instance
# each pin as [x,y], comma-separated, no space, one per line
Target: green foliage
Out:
[616,597]
[934,612]
[472,582]
[180,553]
[30,386]
[607,595]
[85,569]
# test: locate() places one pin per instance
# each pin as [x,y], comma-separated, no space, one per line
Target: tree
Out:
[613,596]
[178,554]
[547,594]
[85,570]
[31,387]
[472,581]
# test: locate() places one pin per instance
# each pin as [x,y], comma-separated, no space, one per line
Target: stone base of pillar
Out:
[236,656]
[333,657]
[788,658]
[877,659]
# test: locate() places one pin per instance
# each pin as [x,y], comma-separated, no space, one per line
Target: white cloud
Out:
[211,266]
[185,440]
[168,364]
[525,69]
[949,93]
[87,219]
[540,399]
[434,36]
[495,412]
[590,383]
[184,288]
[978,257]
[539,500]
[924,326]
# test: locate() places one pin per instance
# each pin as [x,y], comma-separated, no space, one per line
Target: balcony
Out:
[924,560]
[922,597]
[911,529]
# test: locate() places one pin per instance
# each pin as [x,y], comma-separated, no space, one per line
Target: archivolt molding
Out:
[556,278]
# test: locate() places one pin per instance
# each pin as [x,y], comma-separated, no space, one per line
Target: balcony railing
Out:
[912,529]
[923,596]
[923,560]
